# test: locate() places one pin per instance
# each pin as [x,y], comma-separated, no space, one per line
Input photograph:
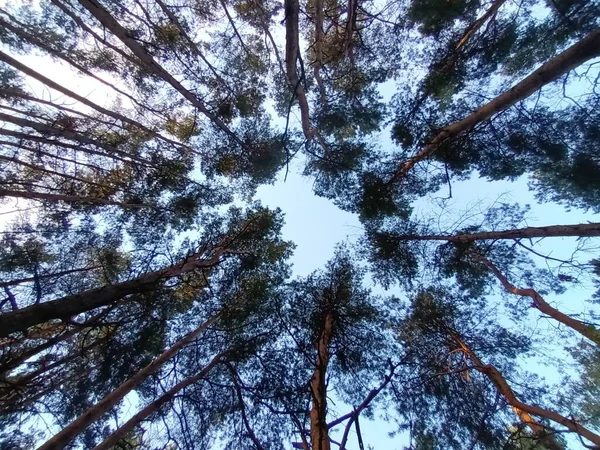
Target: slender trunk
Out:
[523,410]
[44,277]
[318,63]
[113,439]
[577,230]
[45,129]
[574,56]
[472,29]
[71,305]
[51,172]
[583,328]
[193,47]
[44,140]
[41,196]
[70,432]
[41,44]
[39,153]
[319,432]
[108,21]
[292,53]
[235,30]
[57,87]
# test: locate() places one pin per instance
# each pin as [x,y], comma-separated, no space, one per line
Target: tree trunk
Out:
[108,21]
[574,56]
[44,277]
[128,426]
[292,53]
[492,10]
[585,329]
[57,87]
[71,305]
[70,432]
[319,432]
[577,230]
[41,44]
[45,129]
[523,410]
[67,198]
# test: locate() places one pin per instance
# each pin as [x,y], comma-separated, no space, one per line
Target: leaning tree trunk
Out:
[576,230]
[71,305]
[318,424]
[108,21]
[122,431]
[79,425]
[523,410]
[574,56]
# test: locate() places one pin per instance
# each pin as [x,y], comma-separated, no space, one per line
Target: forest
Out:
[151,300]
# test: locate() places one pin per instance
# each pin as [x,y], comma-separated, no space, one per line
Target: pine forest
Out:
[299,224]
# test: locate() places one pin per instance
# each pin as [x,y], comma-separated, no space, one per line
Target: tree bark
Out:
[108,21]
[576,230]
[292,53]
[71,305]
[574,56]
[67,134]
[52,52]
[585,329]
[523,410]
[319,432]
[70,432]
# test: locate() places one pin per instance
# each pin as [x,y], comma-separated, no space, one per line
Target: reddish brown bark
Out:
[523,410]
[319,432]
[576,230]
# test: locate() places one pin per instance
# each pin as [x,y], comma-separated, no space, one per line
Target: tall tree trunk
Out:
[583,328]
[574,56]
[523,410]
[128,426]
[45,129]
[71,305]
[292,54]
[108,21]
[41,44]
[57,87]
[319,432]
[577,230]
[70,432]
[47,276]
[68,198]
[472,29]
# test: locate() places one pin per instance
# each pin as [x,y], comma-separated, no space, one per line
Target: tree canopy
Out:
[148,297]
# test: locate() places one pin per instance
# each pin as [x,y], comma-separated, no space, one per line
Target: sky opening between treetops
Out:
[253,224]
